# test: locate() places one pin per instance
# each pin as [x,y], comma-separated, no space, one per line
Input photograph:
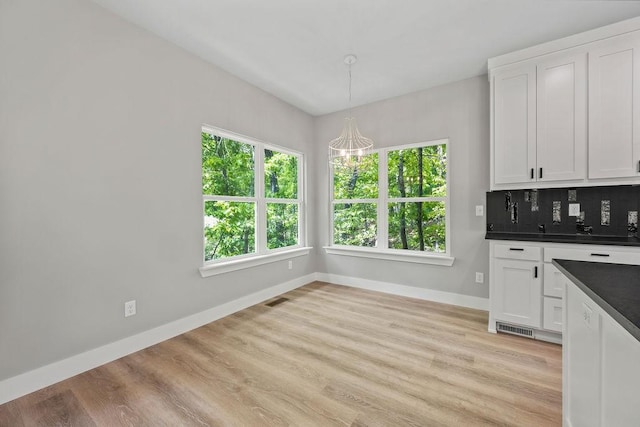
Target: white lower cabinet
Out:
[526,289]
[518,288]
[516,285]
[601,366]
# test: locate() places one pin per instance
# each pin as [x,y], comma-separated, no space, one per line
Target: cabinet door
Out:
[562,118]
[517,294]
[581,359]
[514,130]
[614,108]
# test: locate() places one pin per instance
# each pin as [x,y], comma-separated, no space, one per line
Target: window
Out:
[251,196]
[394,200]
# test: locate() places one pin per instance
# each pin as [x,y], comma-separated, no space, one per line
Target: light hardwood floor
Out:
[330,355]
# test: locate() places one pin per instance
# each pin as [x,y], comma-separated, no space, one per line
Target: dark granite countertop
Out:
[614,287]
[565,238]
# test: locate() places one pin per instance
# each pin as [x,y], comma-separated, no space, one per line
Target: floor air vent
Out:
[515,330]
[276,302]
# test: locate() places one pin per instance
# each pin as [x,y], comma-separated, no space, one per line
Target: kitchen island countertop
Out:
[614,287]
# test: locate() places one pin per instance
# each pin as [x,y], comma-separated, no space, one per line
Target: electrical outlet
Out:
[479,210]
[479,277]
[290,265]
[129,308]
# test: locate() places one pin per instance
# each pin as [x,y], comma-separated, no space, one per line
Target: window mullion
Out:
[383,184]
[342,201]
[261,205]
[301,192]
[331,204]
[208,198]
[415,199]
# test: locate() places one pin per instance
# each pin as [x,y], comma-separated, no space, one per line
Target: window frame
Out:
[382,220]
[262,253]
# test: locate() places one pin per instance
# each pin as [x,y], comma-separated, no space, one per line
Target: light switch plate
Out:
[574,209]
[479,210]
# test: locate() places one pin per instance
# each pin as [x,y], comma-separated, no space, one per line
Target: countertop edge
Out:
[602,303]
[550,238]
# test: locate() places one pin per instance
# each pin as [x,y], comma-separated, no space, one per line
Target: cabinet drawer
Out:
[552,314]
[553,281]
[595,254]
[516,251]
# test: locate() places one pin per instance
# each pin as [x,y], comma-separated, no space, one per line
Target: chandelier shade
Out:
[350,144]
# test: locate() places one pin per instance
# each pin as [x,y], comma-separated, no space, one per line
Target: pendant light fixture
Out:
[350,146]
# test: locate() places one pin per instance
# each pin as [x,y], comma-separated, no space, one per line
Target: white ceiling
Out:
[294,49]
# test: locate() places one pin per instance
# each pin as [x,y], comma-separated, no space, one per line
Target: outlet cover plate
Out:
[479,277]
[130,308]
[479,210]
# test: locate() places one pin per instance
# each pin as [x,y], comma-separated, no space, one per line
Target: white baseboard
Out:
[34,380]
[407,291]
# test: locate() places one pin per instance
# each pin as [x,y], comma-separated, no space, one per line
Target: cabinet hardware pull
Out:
[638,165]
[603,255]
[535,272]
[540,172]
[516,249]
[533,176]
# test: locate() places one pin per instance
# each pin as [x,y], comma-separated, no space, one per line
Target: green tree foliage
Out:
[228,170]
[281,182]
[282,225]
[227,167]
[229,229]
[432,218]
[355,224]
[412,224]
[417,172]
[356,181]
[422,172]
[280,175]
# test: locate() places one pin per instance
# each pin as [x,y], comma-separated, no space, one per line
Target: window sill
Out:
[420,258]
[239,264]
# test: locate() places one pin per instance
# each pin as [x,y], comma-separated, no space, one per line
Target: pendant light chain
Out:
[350,113]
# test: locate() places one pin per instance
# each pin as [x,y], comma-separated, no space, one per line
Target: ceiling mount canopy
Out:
[350,146]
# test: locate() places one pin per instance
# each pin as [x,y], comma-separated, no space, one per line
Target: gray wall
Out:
[100,198]
[100,194]
[458,111]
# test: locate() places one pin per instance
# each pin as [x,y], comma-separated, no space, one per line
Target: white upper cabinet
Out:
[540,121]
[567,112]
[562,118]
[614,104]
[514,107]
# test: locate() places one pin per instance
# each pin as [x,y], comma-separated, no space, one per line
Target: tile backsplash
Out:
[606,211]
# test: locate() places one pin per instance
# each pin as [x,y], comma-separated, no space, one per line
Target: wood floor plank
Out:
[328,356]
